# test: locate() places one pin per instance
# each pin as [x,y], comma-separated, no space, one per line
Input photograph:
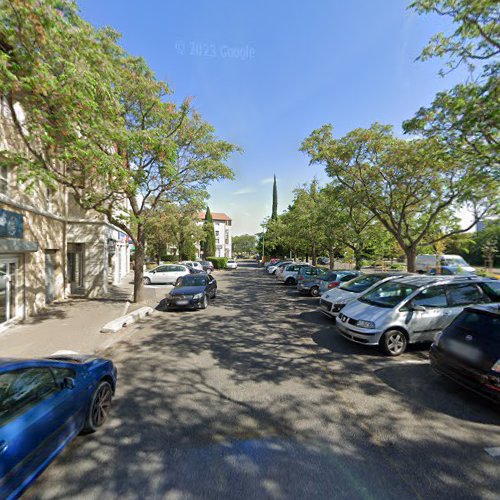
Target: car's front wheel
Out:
[394,342]
[100,406]
[315,291]
[204,302]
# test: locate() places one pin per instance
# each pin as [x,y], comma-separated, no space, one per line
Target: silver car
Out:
[332,301]
[411,309]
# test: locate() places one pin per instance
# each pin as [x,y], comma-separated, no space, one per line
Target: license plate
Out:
[182,302]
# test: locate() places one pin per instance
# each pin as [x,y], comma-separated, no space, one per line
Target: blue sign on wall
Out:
[11,224]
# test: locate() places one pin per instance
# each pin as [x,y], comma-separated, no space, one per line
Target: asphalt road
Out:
[260,397]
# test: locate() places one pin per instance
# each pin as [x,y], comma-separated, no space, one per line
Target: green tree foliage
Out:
[208,245]
[465,117]
[274,215]
[97,120]
[244,244]
[411,187]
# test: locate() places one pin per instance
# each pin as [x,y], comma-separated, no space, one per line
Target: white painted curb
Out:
[118,323]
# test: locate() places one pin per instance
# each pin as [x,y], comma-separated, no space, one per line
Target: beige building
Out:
[223,234]
[49,247]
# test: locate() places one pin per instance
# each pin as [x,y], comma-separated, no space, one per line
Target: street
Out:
[259,397]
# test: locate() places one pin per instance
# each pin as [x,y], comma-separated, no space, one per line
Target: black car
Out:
[468,350]
[192,291]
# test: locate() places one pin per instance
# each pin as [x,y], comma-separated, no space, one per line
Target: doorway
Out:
[8,289]
[50,275]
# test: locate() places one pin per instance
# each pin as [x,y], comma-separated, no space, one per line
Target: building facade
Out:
[223,234]
[49,247]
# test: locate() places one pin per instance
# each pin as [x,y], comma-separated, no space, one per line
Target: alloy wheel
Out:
[395,342]
[102,405]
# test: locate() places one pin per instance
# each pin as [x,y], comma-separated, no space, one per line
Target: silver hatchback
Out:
[411,309]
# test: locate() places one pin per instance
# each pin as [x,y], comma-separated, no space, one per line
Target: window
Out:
[61,373]
[22,389]
[462,295]
[388,294]
[49,196]
[431,297]
[492,289]
[4,180]
[163,269]
[347,277]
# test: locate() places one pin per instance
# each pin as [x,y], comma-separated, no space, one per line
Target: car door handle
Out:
[3,447]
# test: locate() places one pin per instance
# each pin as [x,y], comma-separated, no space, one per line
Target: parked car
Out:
[426,262]
[307,280]
[468,350]
[169,273]
[272,262]
[44,404]
[333,300]
[281,267]
[412,309]
[208,267]
[193,265]
[192,292]
[231,264]
[273,269]
[324,261]
[290,272]
[333,279]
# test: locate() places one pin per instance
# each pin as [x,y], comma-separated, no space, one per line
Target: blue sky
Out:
[266,74]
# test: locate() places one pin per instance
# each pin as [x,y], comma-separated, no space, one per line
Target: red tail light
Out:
[300,278]
[333,284]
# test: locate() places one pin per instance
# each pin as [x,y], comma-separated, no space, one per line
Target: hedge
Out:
[218,262]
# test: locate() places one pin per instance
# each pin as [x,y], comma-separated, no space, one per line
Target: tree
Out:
[98,122]
[208,245]
[465,117]
[412,187]
[244,244]
[274,215]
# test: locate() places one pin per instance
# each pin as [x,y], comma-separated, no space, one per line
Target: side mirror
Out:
[68,383]
[416,307]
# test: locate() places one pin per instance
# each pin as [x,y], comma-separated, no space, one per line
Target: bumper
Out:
[359,335]
[304,288]
[325,307]
[463,375]
[183,304]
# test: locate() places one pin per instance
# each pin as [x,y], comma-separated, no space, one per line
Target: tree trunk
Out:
[411,257]
[139,265]
[331,256]
[313,255]
[358,255]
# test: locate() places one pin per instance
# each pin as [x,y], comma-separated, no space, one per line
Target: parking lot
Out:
[259,397]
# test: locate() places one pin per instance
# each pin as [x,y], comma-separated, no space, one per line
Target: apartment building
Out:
[223,233]
[49,247]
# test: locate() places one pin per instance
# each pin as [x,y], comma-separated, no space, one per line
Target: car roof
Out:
[424,280]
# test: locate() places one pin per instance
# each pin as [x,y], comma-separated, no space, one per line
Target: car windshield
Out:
[361,283]
[454,261]
[388,294]
[192,280]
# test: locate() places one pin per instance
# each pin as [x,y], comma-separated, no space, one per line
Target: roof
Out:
[215,216]
[424,280]
[491,309]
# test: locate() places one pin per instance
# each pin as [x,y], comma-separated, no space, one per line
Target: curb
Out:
[118,323]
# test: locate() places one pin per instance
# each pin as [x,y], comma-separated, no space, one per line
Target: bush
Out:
[218,262]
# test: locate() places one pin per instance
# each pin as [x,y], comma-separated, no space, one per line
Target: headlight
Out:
[365,324]
[198,296]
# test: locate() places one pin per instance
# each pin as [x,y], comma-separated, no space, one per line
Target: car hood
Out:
[338,296]
[367,312]
[187,290]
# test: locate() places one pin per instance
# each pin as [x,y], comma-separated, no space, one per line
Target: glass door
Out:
[8,290]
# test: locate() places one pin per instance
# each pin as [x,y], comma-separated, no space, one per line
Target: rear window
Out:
[479,323]
[492,289]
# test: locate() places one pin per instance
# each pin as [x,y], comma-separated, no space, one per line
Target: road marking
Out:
[493,452]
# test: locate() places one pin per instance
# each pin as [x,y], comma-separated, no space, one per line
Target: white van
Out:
[426,262]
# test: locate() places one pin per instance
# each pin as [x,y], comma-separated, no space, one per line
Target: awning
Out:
[15,245]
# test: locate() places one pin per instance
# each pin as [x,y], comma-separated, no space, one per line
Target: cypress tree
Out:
[209,241]
[274,215]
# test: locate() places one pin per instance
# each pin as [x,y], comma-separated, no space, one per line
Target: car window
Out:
[464,294]
[21,389]
[492,289]
[388,294]
[361,283]
[61,373]
[193,280]
[162,269]
[482,324]
[347,277]
[431,297]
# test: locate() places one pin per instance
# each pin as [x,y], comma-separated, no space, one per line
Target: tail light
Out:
[300,278]
[333,284]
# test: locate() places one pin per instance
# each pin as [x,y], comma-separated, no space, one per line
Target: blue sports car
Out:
[44,404]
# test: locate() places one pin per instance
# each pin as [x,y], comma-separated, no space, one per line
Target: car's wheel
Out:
[100,406]
[147,281]
[315,291]
[394,342]
[215,294]
[274,272]
[289,282]
[177,281]
[204,302]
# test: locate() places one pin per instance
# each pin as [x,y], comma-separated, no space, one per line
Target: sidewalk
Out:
[68,325]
